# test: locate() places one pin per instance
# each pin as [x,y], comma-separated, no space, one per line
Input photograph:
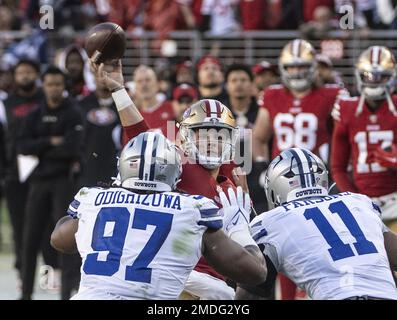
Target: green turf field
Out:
[8,275]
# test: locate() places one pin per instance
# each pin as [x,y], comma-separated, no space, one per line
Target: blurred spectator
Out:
[320,26]
[33,47]
[210,79]
[191,12]
[183,96]
[23,100]
[184,72]
[126,13]
[101,139]
[7,19]
[165,81]
[310,6]
[54,134]
[273,14]
[74,62]
[368,9]
[265,74]
[162,16]
[6,82]
[252,14]
[292,15]
[326,73]
[155,111]
[239,83]
[219,16]
[387,10]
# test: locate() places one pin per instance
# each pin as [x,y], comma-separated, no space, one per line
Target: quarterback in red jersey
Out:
[366,132]
[208,131]
[297,112]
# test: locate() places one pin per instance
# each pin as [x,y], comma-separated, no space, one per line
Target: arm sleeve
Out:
[80,199]
[340,156]
[266,289]
[209,214]
[259,234]
[134,130]
[28,143]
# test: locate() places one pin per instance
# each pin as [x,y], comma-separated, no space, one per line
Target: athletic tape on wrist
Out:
[121,99]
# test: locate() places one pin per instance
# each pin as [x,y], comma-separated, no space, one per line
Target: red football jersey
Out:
[301,122]
[157,117]
[356,138]
[195,179]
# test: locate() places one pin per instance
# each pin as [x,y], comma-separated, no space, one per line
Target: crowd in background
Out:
[218,17]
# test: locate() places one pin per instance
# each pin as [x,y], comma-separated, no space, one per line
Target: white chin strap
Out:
[209,162]
[391,105]
[299,84]
[374,93]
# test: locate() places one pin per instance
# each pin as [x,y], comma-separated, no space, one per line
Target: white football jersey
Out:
[140,246]
[332,247]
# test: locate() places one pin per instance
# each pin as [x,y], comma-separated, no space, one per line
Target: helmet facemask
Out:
[299,80]
[375,84]
[375,73]
[209,146]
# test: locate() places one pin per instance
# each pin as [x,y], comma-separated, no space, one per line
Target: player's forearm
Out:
[219,251]
[62,238]
[243,294]
[390,239]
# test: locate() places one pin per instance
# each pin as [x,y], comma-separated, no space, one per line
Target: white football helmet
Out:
[150,162]
[298,53]
[295,174]
[375,73]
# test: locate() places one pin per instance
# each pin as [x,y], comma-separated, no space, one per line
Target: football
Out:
[105,41]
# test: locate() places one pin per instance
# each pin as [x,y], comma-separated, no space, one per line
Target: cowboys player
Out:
[332,246]
[142,240]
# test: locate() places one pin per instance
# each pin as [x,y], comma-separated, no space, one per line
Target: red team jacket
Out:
[302,122]
[195,179]
[356,138]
